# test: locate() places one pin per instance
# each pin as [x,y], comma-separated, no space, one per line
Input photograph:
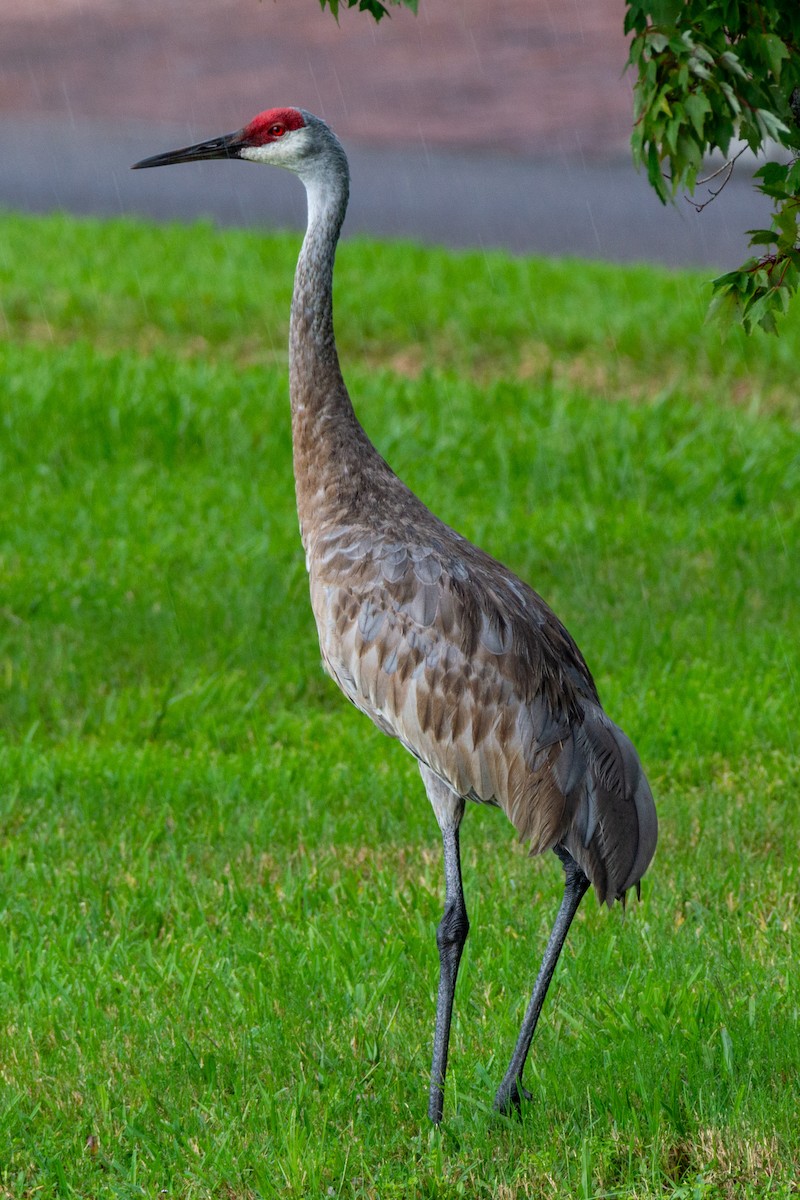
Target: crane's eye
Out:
[276,130]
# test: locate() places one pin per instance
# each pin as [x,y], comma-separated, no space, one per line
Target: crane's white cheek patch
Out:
[256,154]
[288,151]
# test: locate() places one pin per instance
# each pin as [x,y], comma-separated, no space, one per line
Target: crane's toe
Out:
[508,1100]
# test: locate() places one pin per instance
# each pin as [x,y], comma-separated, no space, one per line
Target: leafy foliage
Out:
[763,286]
[376,8]
[707,75]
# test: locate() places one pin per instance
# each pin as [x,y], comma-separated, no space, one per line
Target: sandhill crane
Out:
[442,646]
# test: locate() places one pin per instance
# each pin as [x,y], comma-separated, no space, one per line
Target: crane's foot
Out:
[508,1100]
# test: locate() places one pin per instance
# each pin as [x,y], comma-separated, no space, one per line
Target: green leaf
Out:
[664,12]
[783,296]
[731,61]
[376,8]
[731,97]
[776,53]
[773,172]
[373,7]
[697,50]
[657,42]
[725,307]
[731,278]
[698,107]
[773,126]
[761,237]
[785,220]
[760,311]
[699,70]
[673,129]
[655,174]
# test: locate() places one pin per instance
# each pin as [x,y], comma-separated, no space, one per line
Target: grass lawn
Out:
[219,885]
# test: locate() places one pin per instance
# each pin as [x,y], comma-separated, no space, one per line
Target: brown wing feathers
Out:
[468,667]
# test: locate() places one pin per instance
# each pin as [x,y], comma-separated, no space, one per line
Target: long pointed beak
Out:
[227,146]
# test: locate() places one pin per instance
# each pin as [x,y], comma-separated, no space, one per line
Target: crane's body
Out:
[439,644]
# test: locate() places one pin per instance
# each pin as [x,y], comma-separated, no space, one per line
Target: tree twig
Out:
[713,193]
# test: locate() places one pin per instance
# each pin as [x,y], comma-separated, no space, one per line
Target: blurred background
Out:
[474,123]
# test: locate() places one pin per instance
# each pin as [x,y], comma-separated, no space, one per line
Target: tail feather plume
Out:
[614,827]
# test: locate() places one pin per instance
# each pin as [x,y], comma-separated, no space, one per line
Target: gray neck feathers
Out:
[313,361]
[329,446]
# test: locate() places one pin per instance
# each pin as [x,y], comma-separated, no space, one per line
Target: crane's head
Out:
[285,137]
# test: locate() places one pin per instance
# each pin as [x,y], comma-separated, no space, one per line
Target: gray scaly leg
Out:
[511,1092]
[451,933]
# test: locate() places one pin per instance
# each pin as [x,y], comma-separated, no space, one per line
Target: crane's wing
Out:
[447,650]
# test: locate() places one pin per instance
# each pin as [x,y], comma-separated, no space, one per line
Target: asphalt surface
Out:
[556,205]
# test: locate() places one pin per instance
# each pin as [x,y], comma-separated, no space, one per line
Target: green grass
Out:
[220,884]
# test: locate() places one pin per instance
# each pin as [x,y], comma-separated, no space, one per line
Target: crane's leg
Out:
[451,933]
[511,1092]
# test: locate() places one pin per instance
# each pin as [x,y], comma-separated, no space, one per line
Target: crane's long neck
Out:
[326,435]
[313,361]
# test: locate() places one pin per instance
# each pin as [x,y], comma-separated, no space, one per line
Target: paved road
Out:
[556,205]
[502,124]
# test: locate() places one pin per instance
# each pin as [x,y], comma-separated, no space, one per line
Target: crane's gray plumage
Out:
[440,645]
